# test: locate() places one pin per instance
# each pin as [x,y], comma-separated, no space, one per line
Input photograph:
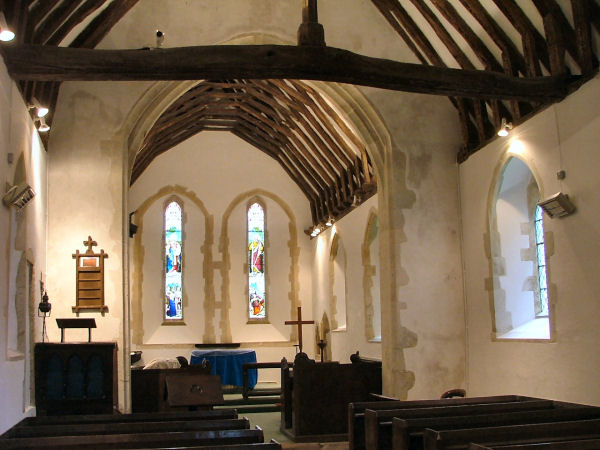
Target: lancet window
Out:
[257,301]
[173,261]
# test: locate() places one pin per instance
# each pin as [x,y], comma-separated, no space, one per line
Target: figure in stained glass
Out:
[256,262]
[173,262]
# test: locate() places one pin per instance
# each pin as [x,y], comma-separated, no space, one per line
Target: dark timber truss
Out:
[494,59]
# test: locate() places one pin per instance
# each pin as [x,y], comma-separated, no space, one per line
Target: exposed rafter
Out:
[288,121]
[479,121]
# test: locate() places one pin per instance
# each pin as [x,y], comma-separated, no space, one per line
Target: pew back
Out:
[356,410]
[408,432]
[126,428]
[140,440]
[501,435]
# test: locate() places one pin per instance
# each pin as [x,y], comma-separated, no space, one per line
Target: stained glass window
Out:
[257,307]
[173,262]
[542,308]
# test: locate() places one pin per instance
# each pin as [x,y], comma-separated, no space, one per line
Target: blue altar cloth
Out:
[228,364]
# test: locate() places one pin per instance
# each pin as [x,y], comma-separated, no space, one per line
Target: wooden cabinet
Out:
[75,378]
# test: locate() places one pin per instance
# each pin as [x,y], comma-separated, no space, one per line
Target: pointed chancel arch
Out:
[386,167]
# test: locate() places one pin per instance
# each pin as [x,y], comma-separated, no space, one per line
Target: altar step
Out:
[259,400]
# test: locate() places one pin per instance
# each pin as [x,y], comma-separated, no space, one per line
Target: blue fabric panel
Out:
[228,365]
[54,379]
[75,377]
[95,378]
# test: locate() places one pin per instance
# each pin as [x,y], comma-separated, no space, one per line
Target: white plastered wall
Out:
[562,137]
[22,237]
[86,170]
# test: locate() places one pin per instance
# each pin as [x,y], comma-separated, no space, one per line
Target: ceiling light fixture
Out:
[40,110]
[505,127]
[43,125]
[329,222]
[6,34]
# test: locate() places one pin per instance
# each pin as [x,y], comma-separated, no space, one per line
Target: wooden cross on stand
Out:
[299,322]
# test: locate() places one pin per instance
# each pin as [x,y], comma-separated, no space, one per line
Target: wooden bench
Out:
[171,439]
[216,414]
[580,444]
[512,434]
[326,388]
[356,411]
[126,428]
[272,445]
[378,423]
[408,432]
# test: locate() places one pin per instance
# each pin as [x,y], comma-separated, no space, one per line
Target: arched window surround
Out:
[337,305]
[501,264]
[178,258]
[371,279]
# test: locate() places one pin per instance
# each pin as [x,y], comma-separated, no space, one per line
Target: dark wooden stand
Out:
[75,378]
[75,323]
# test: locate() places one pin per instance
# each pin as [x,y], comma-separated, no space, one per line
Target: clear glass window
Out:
[542,308]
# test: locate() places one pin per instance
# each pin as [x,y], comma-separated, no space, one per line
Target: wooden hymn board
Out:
[89,279]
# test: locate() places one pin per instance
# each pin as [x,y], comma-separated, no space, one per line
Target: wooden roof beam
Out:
[47,63]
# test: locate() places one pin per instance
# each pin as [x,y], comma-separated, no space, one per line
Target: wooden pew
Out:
[408,432]
[327,388]
[581,444]
[286,393]
[216,414]
[171,439]
[512,434]
[356,411]
[126,428]
[272,445]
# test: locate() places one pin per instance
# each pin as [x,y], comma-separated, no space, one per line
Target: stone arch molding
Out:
[224,242]
[493,252]
[137,312]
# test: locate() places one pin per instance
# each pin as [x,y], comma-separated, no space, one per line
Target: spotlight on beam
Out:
[505,127]
[6,34]
[40,110]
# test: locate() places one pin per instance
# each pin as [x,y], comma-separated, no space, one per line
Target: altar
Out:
[229,365]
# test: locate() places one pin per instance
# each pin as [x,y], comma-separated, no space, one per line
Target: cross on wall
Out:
[299,322]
